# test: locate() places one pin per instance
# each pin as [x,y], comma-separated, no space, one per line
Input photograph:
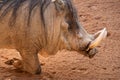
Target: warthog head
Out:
[73,33]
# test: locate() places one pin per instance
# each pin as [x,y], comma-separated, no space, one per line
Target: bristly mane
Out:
[15,5]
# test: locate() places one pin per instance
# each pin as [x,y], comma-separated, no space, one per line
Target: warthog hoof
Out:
[15,62]
[18,64]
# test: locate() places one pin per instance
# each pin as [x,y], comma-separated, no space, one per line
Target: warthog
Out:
[30,26]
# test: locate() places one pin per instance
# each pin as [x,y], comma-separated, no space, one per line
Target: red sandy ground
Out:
[94,15]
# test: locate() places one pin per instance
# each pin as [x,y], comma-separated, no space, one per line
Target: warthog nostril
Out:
[91,53]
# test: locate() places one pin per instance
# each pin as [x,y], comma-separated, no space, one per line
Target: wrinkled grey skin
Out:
[54,36]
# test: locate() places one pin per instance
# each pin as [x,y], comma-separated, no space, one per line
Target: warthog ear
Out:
[60,4]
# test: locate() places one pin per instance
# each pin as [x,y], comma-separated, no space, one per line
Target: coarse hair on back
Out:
[14,5]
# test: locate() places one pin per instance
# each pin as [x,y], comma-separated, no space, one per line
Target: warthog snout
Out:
[98,37]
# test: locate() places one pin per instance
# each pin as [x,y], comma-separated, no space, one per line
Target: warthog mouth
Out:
[90,52]
[91,46]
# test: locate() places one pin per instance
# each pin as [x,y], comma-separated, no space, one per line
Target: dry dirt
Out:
[94,15]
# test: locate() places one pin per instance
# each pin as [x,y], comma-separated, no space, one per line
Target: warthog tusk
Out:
[53,0]
[96,42]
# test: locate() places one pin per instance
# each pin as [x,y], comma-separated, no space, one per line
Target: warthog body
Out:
[32,25]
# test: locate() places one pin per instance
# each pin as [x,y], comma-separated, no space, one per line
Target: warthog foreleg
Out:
[29,63]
